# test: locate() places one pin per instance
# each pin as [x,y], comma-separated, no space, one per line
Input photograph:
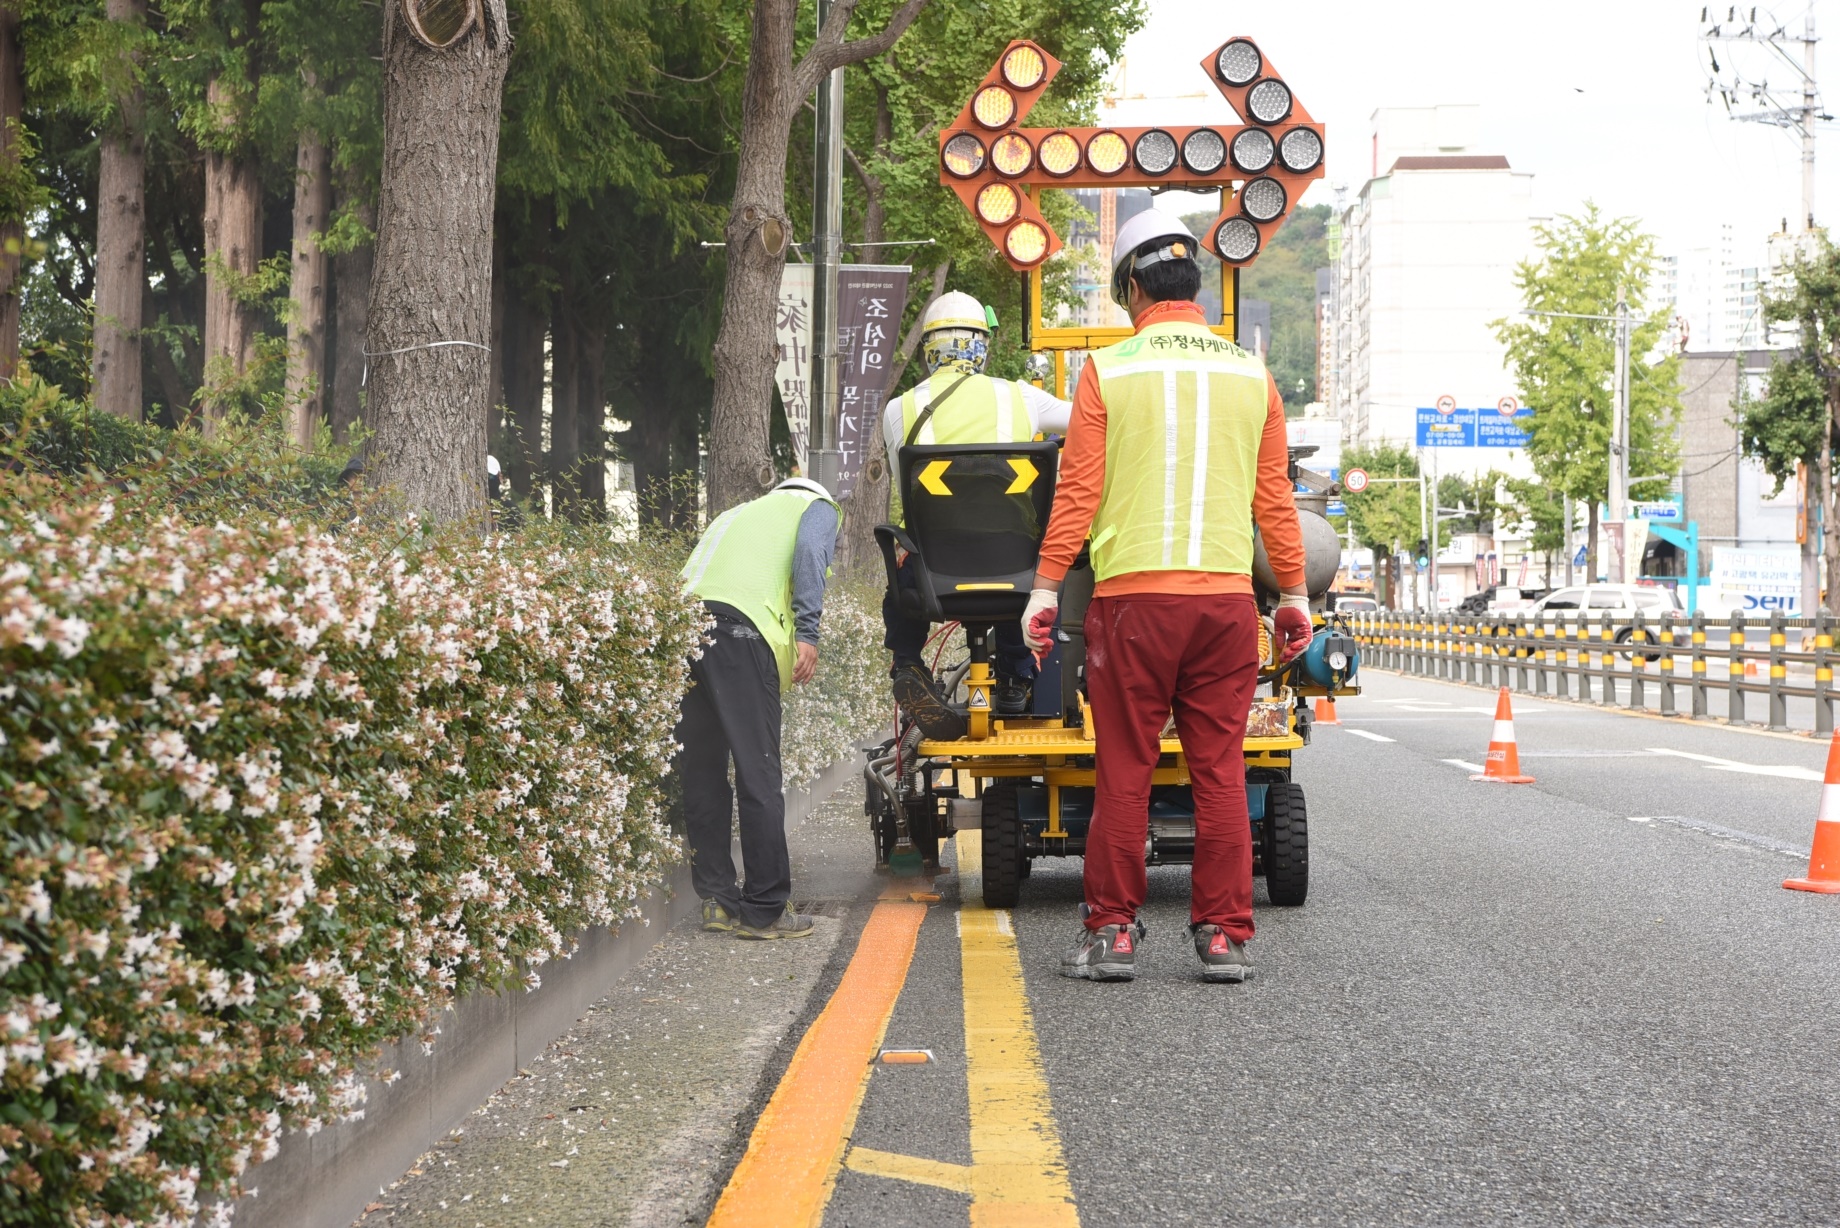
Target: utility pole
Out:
[1797,112]
[826,460]
[1619,443]
[1566,502]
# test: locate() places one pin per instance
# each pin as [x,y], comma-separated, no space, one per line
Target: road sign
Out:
[1579,558]
[1656,509]
[1469,428]
[1507,407]
[1337,508]
[1447,405]
[986,158]
[1354,481]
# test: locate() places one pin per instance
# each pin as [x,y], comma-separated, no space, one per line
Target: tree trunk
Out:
[522,343]
[739,465]
[232,249]
[564,466]
[306,376]
[121,240]
[351,276]
[1590,539]
[12,231]
[591,422]
[432,282]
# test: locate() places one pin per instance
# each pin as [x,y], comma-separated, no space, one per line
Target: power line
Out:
[1796,110]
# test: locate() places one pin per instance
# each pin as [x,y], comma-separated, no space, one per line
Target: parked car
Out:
[1501,599]
[1591,603]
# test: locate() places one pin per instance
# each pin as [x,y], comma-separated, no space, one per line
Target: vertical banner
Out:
[792,371]
[868,319]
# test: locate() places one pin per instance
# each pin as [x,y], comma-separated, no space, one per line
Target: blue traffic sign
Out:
[1472,428]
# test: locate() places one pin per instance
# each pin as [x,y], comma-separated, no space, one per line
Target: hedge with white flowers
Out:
[271,795]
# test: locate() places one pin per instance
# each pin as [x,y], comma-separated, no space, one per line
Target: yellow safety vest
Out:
[1185,414]
[985,410]
[744,560]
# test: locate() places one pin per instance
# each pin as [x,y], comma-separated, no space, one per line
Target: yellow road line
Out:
[785,1178]
[936,1173]
[1018,1171]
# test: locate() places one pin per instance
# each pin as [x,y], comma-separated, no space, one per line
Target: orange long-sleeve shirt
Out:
[1082,481]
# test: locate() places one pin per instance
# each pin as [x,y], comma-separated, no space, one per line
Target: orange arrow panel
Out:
[1262,164]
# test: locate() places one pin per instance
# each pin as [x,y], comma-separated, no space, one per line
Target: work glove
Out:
[1038,620]
[1292,620]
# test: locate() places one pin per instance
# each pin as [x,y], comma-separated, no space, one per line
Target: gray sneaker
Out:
[1108,953]
[1222,959]
[788,924]
[718,919]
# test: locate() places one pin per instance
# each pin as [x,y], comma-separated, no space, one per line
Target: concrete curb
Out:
[484,1039]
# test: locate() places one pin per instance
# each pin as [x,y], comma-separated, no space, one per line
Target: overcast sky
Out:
[1603,101]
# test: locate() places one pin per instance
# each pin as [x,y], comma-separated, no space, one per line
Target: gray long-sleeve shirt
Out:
[811,563]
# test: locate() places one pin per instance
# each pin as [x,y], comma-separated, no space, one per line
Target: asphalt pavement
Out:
[1585,1001]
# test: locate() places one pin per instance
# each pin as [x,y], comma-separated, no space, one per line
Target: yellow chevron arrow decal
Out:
[1026,473]
[931,477]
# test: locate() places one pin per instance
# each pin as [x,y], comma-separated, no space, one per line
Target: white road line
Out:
[1715,764]
[1465,764]
[1372,737]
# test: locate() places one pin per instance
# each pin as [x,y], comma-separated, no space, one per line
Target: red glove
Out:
[1292,621]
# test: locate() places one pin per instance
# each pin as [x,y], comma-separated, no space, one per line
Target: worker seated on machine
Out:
[958,403]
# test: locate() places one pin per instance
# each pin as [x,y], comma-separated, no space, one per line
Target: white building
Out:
[1715,291]
[1429,248]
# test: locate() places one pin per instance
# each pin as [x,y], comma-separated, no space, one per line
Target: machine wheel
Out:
[1003,857]
[1286,851]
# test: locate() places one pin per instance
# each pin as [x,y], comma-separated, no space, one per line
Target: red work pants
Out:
[1147,655]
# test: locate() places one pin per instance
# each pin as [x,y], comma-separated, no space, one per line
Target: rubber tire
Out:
[1626,641]
[1286,841]
[1003,856]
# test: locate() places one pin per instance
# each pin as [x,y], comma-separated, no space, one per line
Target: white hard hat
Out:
[955,309]
[1147,227]
[492,464]
[815,488]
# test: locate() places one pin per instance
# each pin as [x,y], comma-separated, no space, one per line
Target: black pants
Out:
[732,709]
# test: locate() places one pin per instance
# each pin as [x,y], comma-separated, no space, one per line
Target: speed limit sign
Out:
[1354,481]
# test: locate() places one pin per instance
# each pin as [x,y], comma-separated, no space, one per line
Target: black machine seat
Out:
[976,514]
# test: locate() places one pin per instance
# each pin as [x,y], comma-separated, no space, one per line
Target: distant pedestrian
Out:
[760,570]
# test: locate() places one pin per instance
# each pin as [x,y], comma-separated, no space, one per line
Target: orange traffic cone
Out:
[1824,857]
[1502,765]
[1325,711]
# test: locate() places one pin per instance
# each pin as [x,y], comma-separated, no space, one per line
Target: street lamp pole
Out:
[825,459]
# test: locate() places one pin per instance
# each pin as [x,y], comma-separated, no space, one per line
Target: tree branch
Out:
[831,52]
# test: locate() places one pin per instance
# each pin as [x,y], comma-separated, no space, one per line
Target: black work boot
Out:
[921,698]
[1012,696]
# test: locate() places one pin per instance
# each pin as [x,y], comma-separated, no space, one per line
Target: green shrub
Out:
[272,797]
[848,700]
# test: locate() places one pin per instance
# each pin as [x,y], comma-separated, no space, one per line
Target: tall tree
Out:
[307,286]
[1386,517]
[1564,357]
[121,223]
[13,147]
[1793,424]
[776,84]
[431,292]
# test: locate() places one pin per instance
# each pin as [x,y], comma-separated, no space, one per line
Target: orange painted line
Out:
[784,1180]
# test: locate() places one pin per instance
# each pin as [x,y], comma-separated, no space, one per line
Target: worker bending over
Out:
[1177,444]
[957,403]
[760,571]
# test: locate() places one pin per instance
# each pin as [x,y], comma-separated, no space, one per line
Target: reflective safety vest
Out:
[985,410]
[1185,414]
[745,560]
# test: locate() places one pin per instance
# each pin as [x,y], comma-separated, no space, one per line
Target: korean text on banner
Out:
[792,370]
[869,321]
[1757,579]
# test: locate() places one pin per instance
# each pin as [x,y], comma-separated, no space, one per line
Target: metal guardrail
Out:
[1569,656]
